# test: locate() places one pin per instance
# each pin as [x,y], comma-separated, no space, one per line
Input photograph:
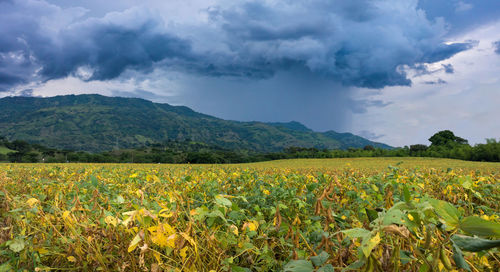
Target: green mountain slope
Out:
[4,150]
[96,123]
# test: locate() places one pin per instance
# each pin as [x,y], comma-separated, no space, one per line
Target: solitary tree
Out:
[446,137]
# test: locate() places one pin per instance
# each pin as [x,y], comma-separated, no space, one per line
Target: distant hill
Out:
[97,123]
[4,150]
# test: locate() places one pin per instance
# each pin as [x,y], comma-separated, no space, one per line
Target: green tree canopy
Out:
[446,137]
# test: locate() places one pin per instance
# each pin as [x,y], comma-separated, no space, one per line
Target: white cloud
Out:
[468,104]
[462,6]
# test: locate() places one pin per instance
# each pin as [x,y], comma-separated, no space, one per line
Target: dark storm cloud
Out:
[15,68]
[357,43]
[423,70]
[110,49]
[461,15]
[93,49]
[445,51]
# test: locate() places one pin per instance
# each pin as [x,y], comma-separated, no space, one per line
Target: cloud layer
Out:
[496,45]
[356,43]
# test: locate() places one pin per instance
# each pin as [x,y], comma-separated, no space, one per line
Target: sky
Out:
[393,71]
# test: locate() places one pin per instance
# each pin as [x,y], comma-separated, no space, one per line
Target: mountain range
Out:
[97,123]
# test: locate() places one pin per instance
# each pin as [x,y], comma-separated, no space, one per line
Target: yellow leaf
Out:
[165,213]
[139,193]
[42,250]
[32,201]
[133,175]
[153,178]
[163,235]
[234,229]
[111,220]
[135,242]
[190,240]
[485,217]
[66,215]
[251,225]
[72,259]
[369,244]
[183,253]
[157,256]
[171,241]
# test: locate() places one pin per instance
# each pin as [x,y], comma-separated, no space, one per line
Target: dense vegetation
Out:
[265,217]
[444,144]
[95,123]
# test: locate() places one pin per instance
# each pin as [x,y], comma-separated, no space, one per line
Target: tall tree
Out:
[446,137]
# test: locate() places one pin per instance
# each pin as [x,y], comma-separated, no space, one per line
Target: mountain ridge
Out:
[94,123]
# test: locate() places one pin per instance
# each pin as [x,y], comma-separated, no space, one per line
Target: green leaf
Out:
[16,245]
[320,259]
[474,244]
[356,233]
[477,226]
[326,268]
[236,268]
[466,182]
[369,243]
[372,214]
[5,267]
[215,214]
[406,194]
[119,199]
[393,216]
[355,265]
[458,257]
[223,201]
[424,268]
[299,266]
[94,181]
[447,212]
[405,256]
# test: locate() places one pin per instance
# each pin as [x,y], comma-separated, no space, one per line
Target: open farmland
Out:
[294,215]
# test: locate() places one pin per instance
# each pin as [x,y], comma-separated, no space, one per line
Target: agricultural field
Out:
[377,214]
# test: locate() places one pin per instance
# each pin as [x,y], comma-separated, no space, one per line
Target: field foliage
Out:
[299,215]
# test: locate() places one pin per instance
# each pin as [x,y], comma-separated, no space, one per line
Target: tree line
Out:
[444,144]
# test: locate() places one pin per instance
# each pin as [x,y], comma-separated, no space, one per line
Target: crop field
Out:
[377,214]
